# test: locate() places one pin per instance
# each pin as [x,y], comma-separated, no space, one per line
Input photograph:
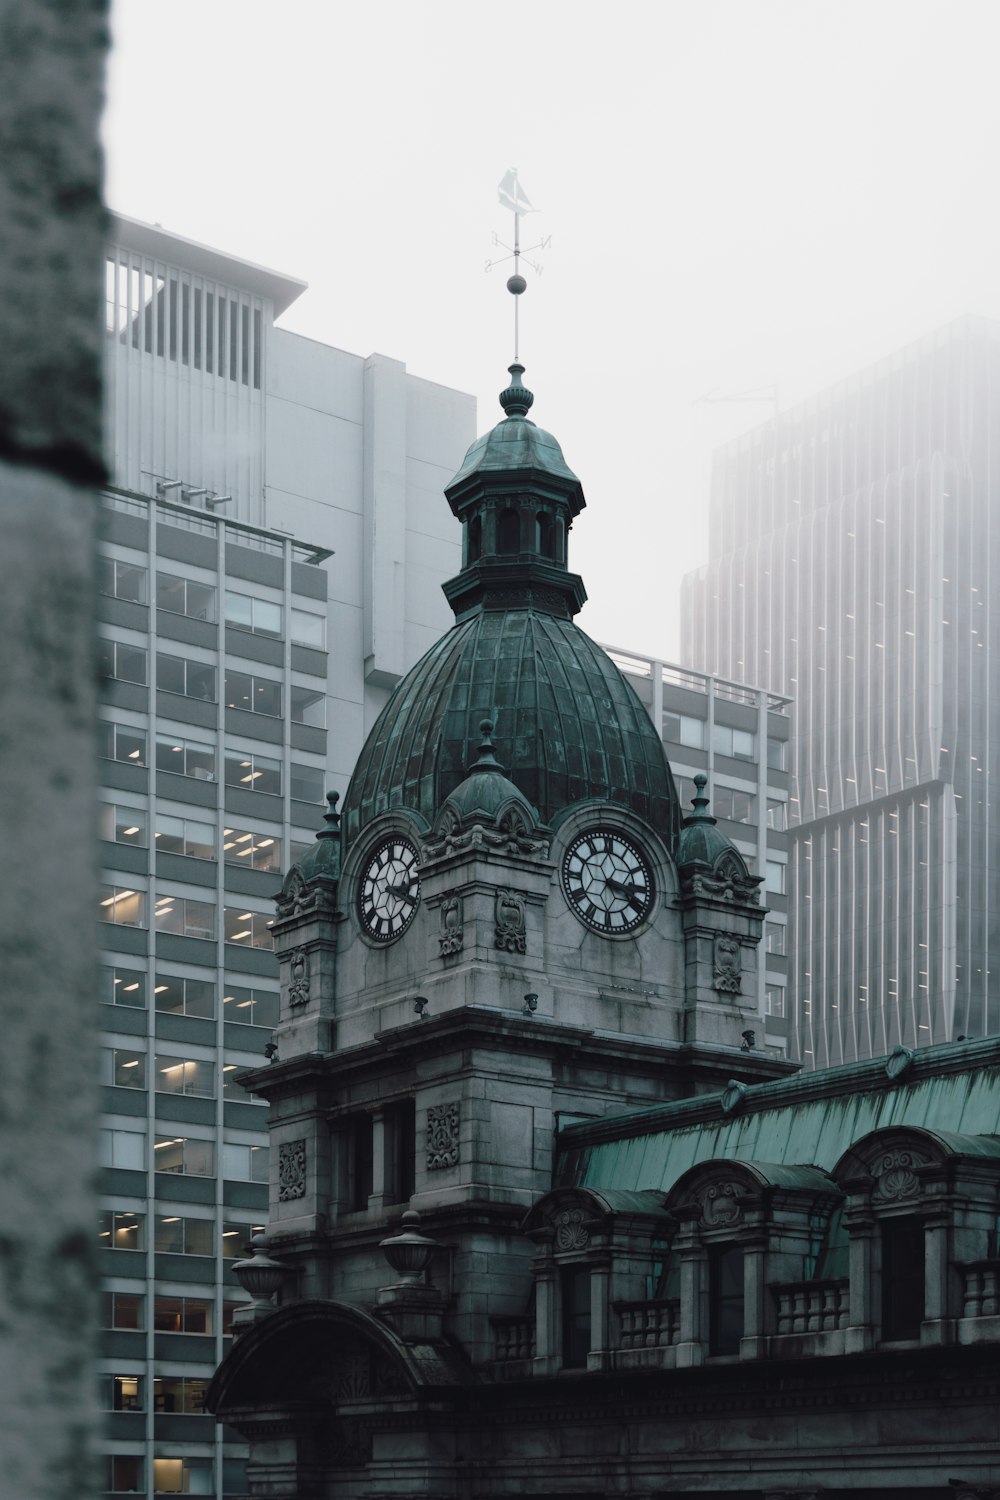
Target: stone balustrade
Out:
[982,1289]
[652,1324]
[513,1339]
[812,1306]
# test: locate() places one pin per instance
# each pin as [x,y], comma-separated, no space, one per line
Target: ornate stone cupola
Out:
[516,498]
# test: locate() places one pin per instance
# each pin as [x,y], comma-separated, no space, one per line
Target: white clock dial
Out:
[389,890]
[608,881]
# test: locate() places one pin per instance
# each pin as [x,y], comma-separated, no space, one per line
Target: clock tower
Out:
[510,926]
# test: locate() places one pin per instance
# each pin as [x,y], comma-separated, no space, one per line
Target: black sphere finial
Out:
[331,818]
[485,759]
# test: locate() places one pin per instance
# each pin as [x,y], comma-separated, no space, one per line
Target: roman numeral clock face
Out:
[608,882]
[389,890]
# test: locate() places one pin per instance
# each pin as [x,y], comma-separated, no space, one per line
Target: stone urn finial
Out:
[409,1253]
[260,1275]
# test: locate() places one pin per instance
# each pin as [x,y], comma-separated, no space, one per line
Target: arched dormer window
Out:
[544,535]
[474,545]
[508,532]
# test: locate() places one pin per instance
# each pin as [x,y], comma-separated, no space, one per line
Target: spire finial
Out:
[331,818]
[516,400]
[699,802]
[513,196]
[485,756]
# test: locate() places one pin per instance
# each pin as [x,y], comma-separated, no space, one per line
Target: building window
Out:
[184,1156]
[121,580]
[189,679]
[184,917]
[508,531]
[123,907]
[775,754]
[242,1163]
[307,783]
[251,1007]
[181,1075]
[123,987]
[253,772]
[257,615]
[182,1315]
[123,1149]
[124,1069]
[254,695]
[774,877]
[125,1474]
[250,929]
[308,629]
[775,935]
[682,729]
[184,997]
[360,1160]
[308,706]
[574,1284]
[738,806]
[400,1150]
[123,1310]
[121,1393]
[185,758]
[774,1000]
[474,549]
[121,662]
[121,825]
[185,836]
[179,1393]
[725,1299]
[183,596]
[180,1236]
[236,1238]
[120,1231]
[777,814]
[902,1278]
[121,742]
[740,744]
[254,851]
[186,1476]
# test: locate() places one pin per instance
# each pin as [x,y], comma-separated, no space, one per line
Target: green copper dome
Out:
[569,727]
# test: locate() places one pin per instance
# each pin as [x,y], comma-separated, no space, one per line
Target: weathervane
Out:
[512,196]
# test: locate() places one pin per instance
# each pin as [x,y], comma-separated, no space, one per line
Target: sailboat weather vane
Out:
[513,196]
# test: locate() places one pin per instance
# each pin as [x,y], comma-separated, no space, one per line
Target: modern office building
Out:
[736,736]
[273,549]
[853,548]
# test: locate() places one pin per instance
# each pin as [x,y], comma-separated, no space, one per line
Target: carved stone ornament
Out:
[720,1204]
[725,884]
[570,1229]
[442,1136]
[510,835]
[510,931]
[896,1177]
[452,935]
[726,976]
[291,1170]
[298,987]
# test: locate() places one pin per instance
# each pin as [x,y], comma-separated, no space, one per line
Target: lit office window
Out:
[123,1068]
[122,906]
[254,851]
[184,917]
[182,1315]
[122,662]
[244,1163]
[251,1007]
[179,1393]
[121,825]
[121,742]
[120,1230]
[189,679]
[185,758]
[257,615]
[184,996]
[185,1156]
[175,1234]
[121,580]
[185,836]
[121,1392]
[179,1075]
[184,596]
[253,694]
[236,1238]
[253,772]
[250,929]
[122,987]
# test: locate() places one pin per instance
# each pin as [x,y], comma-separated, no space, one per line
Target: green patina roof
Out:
[810,1120]
[568,725]
[514,443]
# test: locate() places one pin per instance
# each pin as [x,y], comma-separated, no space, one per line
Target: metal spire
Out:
[513,196]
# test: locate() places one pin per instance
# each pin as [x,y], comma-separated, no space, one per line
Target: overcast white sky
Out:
[738,192]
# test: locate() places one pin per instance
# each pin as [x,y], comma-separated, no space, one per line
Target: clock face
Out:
[389,890]
[608,881]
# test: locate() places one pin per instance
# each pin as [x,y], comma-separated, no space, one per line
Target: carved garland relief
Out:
[571,1230]
[442,1136]
[896,1177]
[291,1170]
[298,988]
[720,1204]
[510,924]
[726,977]
[452,935]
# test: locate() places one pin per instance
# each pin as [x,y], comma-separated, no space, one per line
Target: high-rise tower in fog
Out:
[854,544]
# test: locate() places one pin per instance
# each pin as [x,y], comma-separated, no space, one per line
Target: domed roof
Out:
[703,850]
[486,791]
[569,726]
[516,443]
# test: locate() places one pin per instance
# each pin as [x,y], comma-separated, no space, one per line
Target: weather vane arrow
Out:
[513,196]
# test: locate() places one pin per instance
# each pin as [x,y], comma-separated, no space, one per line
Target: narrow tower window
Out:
[475,544]
[509,531]
[544,535]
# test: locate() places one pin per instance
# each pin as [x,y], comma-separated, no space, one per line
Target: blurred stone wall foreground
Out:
[52,55]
